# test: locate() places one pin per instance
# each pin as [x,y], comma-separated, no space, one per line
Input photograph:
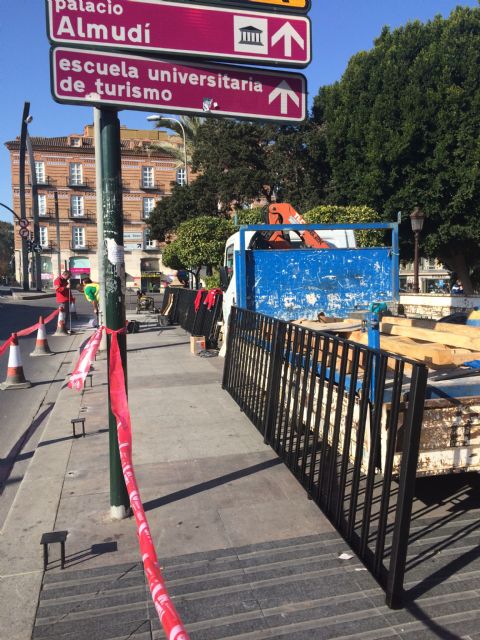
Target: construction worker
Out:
[63,293]
[91,291]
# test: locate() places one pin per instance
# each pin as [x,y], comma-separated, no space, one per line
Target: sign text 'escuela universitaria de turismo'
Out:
[81,76]
[180,28]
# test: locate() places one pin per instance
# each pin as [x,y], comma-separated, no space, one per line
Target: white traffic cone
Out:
[15,376]
[61,328]
[73,310]
[41,343]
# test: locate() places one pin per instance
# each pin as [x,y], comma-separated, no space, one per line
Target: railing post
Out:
[277,346]
[406,488]
[228,355]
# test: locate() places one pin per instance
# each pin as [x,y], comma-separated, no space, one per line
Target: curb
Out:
[33,512]
[17,295]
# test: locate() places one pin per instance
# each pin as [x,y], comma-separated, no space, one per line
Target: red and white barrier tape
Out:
[164,606]
[5,345]
[77,378]
[26,332]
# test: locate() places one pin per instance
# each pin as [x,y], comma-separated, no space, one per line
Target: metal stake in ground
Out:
[114,277]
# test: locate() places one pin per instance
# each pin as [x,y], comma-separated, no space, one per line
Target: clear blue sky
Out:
[340,29]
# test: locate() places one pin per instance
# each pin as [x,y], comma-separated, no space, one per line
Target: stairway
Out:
[294,589]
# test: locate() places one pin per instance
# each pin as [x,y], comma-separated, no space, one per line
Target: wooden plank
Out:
[429,335]
[446,327]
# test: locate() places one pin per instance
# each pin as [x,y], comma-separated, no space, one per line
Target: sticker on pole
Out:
[96,78]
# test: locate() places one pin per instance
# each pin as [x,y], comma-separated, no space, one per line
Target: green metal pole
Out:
[114,273]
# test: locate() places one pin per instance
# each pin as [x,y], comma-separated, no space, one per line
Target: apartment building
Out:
[65,173]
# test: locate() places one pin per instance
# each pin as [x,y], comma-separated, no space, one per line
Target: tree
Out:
[332,214]
[185,202]
[191,127]
[297,164]
[402,130]
[199,242]
[232,155]
[251,216]
[6,248]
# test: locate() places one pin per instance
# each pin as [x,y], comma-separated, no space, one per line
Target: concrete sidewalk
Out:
[244,553]
[207,480]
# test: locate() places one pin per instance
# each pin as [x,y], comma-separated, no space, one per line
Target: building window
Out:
[77,206]
[44,236]
[148,177]
[42,205]
[181,177]
[40,172]
[148,207]
[149,243]
[75,142]
[76,173]
[78,237]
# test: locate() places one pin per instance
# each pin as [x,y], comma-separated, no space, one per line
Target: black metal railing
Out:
[46,181]
[179,306]
[87,247]
[85,215]
[46,215]
[78,183]
[345,419]
[150,186]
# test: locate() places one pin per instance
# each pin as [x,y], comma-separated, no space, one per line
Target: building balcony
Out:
[49,248]
[46,181]
[151,248]
[75,183]
[82,248]
[84,216]
[49,214]
[150,186]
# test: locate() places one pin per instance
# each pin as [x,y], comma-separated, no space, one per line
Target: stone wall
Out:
[435,306]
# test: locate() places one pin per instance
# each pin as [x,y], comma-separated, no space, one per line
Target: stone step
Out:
[295,589]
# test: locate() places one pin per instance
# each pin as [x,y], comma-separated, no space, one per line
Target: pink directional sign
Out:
[99,78]
[182,29]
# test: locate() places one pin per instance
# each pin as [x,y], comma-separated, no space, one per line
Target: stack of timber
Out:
[438,345]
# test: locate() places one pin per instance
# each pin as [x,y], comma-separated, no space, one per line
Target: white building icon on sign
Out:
[250,35]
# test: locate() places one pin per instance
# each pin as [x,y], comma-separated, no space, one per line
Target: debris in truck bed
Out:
[435,344]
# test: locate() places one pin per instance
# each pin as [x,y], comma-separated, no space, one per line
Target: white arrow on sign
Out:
[285,91]
[288,33]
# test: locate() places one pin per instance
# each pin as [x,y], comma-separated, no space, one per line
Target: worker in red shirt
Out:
[63,293]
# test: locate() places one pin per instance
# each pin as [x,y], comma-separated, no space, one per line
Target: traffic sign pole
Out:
[23,208]
[114,268]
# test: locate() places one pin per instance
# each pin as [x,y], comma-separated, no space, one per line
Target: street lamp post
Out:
[417,218]
[158,119]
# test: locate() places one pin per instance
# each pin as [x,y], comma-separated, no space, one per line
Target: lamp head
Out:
[28,119]
[417,218]
[154,118]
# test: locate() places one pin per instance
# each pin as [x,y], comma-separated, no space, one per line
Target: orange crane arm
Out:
[283,213]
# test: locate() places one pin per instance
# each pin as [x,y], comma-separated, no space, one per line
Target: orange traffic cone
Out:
[15,376]
[61,328]
[73,310]
[41,344]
